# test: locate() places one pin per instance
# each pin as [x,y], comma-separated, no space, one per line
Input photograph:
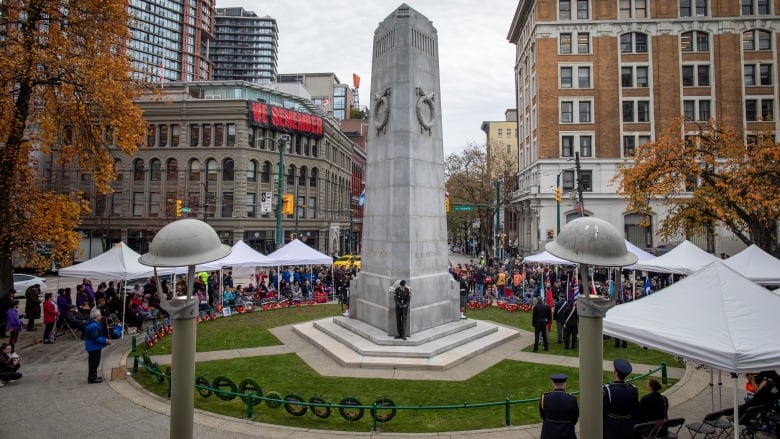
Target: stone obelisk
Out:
[404,221]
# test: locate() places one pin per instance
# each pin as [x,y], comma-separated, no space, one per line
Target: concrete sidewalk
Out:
[53,398]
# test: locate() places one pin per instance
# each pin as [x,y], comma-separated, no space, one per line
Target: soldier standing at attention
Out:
[401,297]
[559,411]
[621,401]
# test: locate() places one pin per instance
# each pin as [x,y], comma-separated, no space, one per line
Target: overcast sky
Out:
[475,58]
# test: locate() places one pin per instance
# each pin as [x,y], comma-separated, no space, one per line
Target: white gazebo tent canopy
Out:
[296,252]
[546,258]
[715,317]
[756,265]
[121,262]
[242,255]
[684,259]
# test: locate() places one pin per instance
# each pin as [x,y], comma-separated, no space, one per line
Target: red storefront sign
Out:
[282,119]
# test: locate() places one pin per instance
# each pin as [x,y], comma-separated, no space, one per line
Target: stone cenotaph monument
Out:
[404,221]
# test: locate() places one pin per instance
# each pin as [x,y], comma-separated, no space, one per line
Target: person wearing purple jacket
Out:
[88,288]
[13,324]
[63,305]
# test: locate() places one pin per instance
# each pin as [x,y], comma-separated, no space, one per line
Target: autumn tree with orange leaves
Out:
[714,176]
[66,84]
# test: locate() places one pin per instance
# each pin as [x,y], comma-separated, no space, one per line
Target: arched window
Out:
[291,175]
[118,169]
[211,170]
[227,169]
[265,176]
[138,170]
[171,170]
[633,42]
[251,171]
[194,170]
[313,179]
[757,40]
[155,168]
[302,176]
[639,229]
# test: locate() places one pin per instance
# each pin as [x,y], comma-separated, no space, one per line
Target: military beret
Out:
[622,366]
[559,377]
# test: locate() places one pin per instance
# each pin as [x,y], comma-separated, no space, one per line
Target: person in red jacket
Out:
[50,314]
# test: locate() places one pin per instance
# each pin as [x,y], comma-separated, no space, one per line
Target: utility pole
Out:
[498,218]
[580,203]
[558,204]
[283,139]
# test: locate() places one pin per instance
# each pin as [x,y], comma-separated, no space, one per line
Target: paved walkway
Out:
[53,396]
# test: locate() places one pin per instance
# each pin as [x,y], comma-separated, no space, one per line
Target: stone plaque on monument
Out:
[404,221]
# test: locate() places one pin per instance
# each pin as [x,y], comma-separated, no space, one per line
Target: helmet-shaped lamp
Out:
[592,241]
[184,242]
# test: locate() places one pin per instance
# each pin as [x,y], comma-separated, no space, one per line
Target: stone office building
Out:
[212,151]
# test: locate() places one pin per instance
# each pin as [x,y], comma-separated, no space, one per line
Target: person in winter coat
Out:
[13,324]
[32,306]
[50,314]
[94,341]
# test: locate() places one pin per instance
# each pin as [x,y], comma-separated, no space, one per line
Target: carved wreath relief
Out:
[426,111]
[381,110]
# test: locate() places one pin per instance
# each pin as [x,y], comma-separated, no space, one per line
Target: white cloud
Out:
[475,58]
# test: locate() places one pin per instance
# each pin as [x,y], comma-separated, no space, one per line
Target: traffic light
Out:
[558,194]
[178,207]
[551,234]
[288,204]
[446,204]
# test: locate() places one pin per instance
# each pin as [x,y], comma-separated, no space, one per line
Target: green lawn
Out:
[288,374]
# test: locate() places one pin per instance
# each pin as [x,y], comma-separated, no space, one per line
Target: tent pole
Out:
[633,285]
[712,390]
[720,389]
[124,305]
[736,412]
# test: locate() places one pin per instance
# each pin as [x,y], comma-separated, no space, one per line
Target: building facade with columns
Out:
[212,149]
[598,79]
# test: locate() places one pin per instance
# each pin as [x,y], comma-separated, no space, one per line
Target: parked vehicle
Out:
[24,281]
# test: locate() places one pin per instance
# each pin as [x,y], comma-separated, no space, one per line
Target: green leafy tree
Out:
[66,81]
[712,177]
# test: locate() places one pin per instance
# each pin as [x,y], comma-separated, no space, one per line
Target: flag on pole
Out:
[362,198]
[648,286]
[551,303]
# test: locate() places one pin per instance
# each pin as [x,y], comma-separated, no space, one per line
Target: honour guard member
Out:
[559,410]
[401,297]
[621,401]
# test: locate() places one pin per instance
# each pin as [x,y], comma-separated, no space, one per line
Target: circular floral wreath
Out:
[351,414]
[295,405]
[221,382]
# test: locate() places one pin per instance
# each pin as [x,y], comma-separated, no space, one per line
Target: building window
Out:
[251,171]
[228,169]
[313,179]
[265,176]
[759,109]
[150,136]
[584,113]
[564,9]
[565,43]
[163,135]
[211,170]
[174,135]
[155,170]
[633,8]
[231,134]
[634,76]
[757,40]
[302,176]
[582,10]
[569,181]
[227,204]
[573,143]
[194,170]
[194,134]
[138,170]
[695,41]
[696,76]
[312,207]
[583,42]
[206,134]
[154,204]
[138,203]
[693,8]
[171,170]
[567,112]
[755,7]
[697,110]
[567,146]
[586,146]
[291,175]
[250,205]
[219,134]
[583,77]
[567,79]
[633,42]
[631,141]
[643,111]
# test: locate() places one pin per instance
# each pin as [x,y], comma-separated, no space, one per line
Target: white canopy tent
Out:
[685,259]
[242,255]
[296,252]
[756,265]
[546,258]
[641,254]
[121,262]
[715,317]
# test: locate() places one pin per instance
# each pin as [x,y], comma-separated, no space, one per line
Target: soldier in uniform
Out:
[401,298]
[559,410]
[621,401]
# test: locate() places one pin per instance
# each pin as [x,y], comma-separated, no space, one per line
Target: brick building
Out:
[597,79]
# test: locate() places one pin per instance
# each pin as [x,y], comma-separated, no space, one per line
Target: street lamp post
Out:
[280,143]
[498,218]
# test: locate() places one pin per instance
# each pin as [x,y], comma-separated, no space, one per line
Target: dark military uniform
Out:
[621,401]
[559,412]
[401,298]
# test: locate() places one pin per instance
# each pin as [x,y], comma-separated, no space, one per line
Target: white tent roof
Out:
[756,265]
[715,316]
[546,258]
[641,254]
[242,255]
[686,259]
[296,252]
[121,262]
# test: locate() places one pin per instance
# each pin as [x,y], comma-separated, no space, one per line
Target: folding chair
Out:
[645,430]
[706,429]
[70,331]
[669,429]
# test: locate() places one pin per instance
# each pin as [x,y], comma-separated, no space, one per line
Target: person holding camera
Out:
[9,365]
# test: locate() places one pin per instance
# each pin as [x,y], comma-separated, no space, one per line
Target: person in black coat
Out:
[621,401]
[539,317]
[401,297]
[654,406]
[571,322]
[559,411]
